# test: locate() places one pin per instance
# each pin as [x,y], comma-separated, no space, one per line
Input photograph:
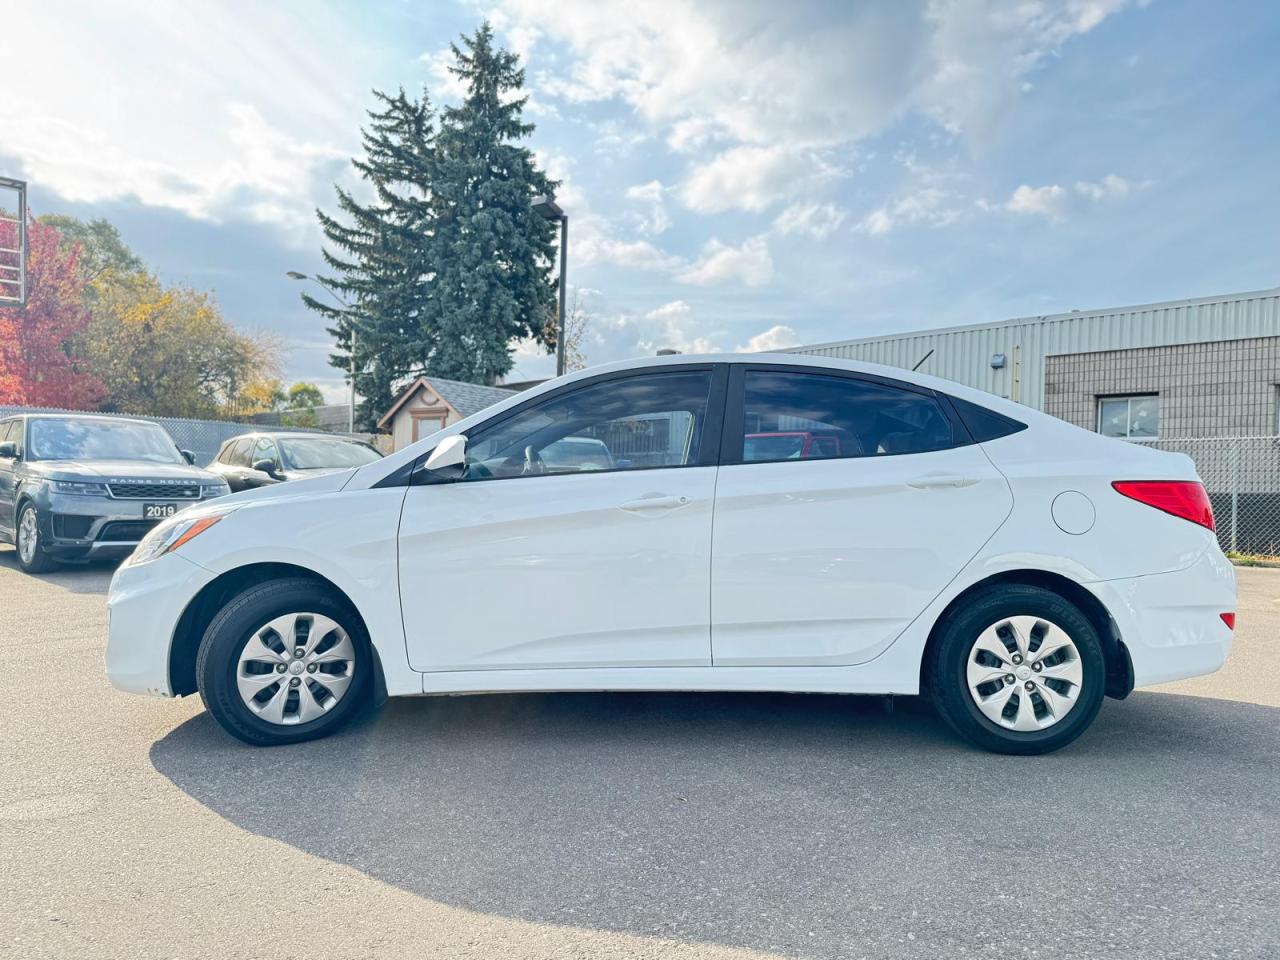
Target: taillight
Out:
[1182,498]
[1229,619]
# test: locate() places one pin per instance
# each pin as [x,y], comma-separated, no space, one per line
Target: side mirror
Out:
[8,450]
[188,456]
[449,458]
[265,466]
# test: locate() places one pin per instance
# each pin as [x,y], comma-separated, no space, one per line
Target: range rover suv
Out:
[76,487]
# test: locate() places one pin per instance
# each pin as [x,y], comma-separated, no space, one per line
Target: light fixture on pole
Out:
[548,209]
[351,413]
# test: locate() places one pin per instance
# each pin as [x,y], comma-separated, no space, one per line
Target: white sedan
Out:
[753,522]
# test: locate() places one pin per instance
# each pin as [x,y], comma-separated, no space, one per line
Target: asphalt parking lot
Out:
[627,825]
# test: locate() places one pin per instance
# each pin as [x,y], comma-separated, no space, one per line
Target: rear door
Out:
[821,559]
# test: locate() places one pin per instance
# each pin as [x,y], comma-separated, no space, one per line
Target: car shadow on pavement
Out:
[72,577]
[796,824]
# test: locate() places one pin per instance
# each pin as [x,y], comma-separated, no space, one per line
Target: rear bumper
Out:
[144,605]
[1171,623]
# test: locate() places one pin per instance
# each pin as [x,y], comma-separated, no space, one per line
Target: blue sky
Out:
[739,174]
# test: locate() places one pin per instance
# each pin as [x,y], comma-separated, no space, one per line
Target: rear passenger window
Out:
[803,416]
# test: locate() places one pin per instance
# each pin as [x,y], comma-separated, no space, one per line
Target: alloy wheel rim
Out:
[295,668]
[1024,673]
[28,536]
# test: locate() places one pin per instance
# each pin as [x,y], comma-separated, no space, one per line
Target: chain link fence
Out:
[201,437]
[1242,477]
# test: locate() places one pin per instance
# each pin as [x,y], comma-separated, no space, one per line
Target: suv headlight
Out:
[80,488]
[172,534]
[209,490]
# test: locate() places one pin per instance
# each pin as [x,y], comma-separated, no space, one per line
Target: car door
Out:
[521,565]
[825,559]
[10,431]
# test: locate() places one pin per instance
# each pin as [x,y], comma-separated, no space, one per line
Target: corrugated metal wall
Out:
[964,353]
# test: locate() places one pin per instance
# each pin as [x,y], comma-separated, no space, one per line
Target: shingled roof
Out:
[465,398]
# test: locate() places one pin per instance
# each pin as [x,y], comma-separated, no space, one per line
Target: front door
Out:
[844,505]
[595,555]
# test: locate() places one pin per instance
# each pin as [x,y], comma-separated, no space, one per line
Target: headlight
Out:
[80,488]
[208,490]
[170,535]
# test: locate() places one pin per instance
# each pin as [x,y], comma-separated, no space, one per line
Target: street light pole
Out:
[548,209]
[351,412]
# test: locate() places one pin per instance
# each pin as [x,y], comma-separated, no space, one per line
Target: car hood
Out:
[329,482]
[123,470]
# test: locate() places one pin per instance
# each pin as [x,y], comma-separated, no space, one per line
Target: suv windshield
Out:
[322,453]
[101,440]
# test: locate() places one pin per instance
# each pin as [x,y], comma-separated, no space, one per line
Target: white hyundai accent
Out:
[757,522]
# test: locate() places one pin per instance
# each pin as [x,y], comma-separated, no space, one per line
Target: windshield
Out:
[326,453]
[101,440]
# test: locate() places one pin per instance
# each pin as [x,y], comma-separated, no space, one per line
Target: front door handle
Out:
[656,502]
[941,480]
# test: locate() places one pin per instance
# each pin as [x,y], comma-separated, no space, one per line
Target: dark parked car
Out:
[75,487]
[258,459]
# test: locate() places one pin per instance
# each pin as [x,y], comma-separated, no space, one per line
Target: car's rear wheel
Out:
[1018,670]
[283,662]
[32,557]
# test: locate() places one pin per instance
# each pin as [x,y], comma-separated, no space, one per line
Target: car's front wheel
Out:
[1018,670]
[284,661]
[32,557]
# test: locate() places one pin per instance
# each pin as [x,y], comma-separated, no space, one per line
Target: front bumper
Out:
[87,528]
[144,604]
[1171,623]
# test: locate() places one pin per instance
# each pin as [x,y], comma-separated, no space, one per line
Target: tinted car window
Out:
[792,416]
[654,420]
[264,449]
[239,453]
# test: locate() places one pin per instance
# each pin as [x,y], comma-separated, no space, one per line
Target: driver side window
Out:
[634,423]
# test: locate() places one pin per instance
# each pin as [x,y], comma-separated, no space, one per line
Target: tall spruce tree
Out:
[379,255]
[493,252]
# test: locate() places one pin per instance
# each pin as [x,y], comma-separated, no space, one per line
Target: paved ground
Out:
[601,826]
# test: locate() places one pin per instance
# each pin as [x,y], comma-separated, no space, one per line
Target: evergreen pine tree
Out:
[493,251]
[379,255]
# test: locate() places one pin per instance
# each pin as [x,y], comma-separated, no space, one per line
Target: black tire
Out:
[231,629]
[40,562]
[948,658]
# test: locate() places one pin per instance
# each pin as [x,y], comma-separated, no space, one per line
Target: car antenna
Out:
[922,360]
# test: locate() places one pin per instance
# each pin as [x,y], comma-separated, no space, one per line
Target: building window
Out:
[1131,418]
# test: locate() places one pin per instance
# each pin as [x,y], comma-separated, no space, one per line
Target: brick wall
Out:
[1218,389]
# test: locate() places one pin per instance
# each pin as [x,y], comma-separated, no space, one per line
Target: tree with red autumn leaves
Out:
[38,362]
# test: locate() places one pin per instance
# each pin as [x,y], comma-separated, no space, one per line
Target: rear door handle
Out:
[645,504]
[941,480]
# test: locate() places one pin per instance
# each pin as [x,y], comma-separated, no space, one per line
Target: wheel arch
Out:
[1119,666]
[213,596]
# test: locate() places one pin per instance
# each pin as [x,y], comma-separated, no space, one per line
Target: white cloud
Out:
[749,264]
[652,195]
[817,220]
[753,178]
[1110,186]
[776,337]
[731,74]
[668,331]
[189,110]
[1048,201]
[931,206]
[676,308]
